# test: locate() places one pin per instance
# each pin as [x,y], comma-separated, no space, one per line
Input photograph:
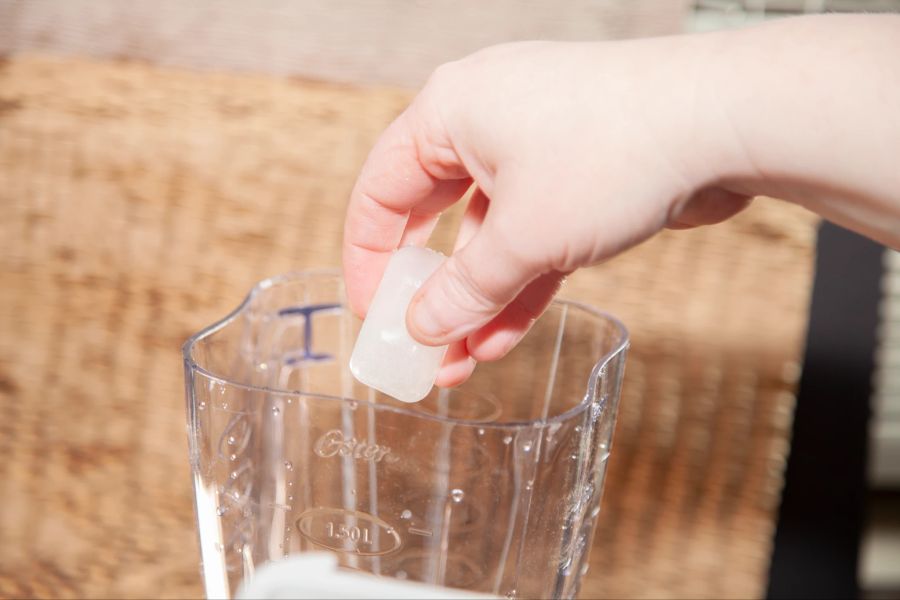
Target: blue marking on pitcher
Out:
[307,312]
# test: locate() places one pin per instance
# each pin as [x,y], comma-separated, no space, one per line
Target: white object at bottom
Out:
[316,575]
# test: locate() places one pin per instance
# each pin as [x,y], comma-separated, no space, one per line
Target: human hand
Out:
[578,151]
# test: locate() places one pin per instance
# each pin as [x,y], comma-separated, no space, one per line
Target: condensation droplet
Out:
[389,530]
[526,446]
[234,474]
[595,512]
[221,510]
[406,514]
[481,431]
[219,547]
[232,440]
[577,428]
[352,405]
[233,457]
[290,483]
[288,465]
[507,439]
[529,485]
[201,405]
[290,498]
[511,594]
[574,457]
[457,495]
[276,411]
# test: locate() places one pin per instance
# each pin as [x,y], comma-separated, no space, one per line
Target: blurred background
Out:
[159,157]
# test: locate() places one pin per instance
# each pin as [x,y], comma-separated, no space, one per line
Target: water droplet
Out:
[290,400]
[236,495]
[233,457]
[400,574]
[406,514]
[288,528]
[529,485]
[511,594]
[201,405]
[276,411]
[507,439]
[290,498]
[232,440]
[234,474]
[481,431]
[526,446]
[219,547]
[584,569]
[290,483]
[574,457]
[595,512]
[263,366]
[389,530]
[288,465]
[596,409]
[577,428]
[352,492]
[457,495]
[352,405]
[221,510]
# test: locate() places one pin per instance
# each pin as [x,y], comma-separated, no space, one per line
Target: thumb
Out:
[469,289]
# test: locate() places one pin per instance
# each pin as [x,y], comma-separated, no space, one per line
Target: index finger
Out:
[410,167]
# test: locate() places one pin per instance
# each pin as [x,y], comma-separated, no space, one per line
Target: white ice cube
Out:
[386,357]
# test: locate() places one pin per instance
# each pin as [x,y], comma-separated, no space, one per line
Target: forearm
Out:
[812,110]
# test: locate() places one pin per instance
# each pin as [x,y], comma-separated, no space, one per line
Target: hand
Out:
[578,151]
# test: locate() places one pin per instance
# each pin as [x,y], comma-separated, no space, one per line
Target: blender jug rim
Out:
[620,345]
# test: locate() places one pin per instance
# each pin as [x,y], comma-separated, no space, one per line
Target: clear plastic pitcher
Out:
[493,486]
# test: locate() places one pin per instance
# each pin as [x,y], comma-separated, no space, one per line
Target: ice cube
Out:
[386,357]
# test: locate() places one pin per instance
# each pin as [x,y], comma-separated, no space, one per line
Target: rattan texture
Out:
[141,203]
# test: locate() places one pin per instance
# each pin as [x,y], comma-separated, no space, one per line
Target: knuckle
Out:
[444,72]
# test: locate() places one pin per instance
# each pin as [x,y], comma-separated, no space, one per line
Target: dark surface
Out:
[821,516]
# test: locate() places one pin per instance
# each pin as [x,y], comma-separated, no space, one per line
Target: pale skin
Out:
[582,150]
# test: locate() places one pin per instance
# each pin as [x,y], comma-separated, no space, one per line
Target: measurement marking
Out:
[422,532]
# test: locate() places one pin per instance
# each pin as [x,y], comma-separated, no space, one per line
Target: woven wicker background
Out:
[141,203]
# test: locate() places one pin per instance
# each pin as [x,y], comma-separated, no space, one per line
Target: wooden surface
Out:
[140,203]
